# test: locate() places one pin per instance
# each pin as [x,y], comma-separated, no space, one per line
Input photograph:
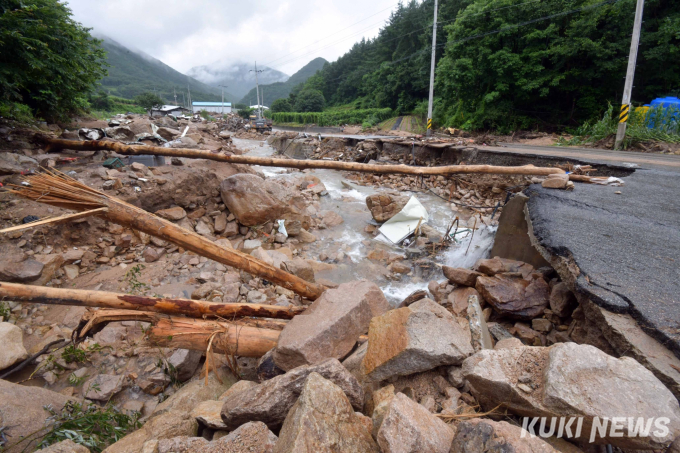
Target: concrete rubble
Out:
[405,351]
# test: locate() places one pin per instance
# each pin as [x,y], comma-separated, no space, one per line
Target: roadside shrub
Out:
[334,118]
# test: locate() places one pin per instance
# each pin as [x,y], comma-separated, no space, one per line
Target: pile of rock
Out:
[421,382]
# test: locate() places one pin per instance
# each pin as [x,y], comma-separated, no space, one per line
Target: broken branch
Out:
[103,299]
[54,220]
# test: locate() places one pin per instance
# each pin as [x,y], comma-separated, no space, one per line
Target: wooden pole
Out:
[191,308]
[55,144]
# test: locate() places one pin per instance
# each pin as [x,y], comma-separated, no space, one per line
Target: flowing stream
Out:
[350,237]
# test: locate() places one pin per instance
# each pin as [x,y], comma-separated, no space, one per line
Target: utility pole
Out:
[191,105]
[223,87]
[432,65]
[257,89]
[630,74]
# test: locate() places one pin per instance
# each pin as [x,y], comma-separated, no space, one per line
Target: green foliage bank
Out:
[48,62]
[506,64]
[334,118]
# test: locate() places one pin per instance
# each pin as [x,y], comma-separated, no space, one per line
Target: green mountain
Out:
[278,90]
[132,73]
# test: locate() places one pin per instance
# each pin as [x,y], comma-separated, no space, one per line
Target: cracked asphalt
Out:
[627,245]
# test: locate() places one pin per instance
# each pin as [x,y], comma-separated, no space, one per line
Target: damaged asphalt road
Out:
[627,245]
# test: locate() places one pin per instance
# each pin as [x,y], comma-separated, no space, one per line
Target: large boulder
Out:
[194,392]
[253,200]
[25,271]
[13,350]
[270,401]
[122,133]
[165,426]
[461,276]
[409,427]
[103,386]
[331,326]
[299,267]
[571,380]
[322,420]
[412,339]
[562,300]
[385,206]
[487,436]
[185,362]
[22,413]
[518,298]
[65,446]
[253,437]
[175,213]
[498,265]
[51,264]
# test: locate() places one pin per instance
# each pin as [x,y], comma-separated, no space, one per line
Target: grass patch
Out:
[91,426]
[656,124]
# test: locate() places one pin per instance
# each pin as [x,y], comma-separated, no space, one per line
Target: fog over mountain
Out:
[237,76]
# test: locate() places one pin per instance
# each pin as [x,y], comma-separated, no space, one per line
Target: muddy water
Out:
[348,200]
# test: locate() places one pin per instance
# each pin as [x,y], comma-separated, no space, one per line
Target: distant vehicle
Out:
[260,124]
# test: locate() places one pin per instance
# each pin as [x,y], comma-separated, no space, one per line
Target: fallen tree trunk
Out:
[135,150]
[195,334]
[61,190]
[92,319]
[227,338]
[103,299]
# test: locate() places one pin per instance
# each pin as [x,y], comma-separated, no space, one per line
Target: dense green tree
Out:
[149,100]
[551,72]
[48,61]
[101,101]
[281,105]
[245,112]
[507,64]
[309,100]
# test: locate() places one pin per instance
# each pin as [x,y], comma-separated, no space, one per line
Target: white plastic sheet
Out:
[405,222]
[282,227]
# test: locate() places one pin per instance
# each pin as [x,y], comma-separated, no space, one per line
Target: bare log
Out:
[195,334]
[134,150]
[103,299]
[227,338]
[66,192]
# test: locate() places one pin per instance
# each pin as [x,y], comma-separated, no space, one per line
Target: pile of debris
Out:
[485,358]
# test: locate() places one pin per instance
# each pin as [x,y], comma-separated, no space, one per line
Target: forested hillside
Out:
[278,90]
[509,63]
[131,74]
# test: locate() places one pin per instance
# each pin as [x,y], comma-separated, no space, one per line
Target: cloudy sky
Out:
[284,35]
